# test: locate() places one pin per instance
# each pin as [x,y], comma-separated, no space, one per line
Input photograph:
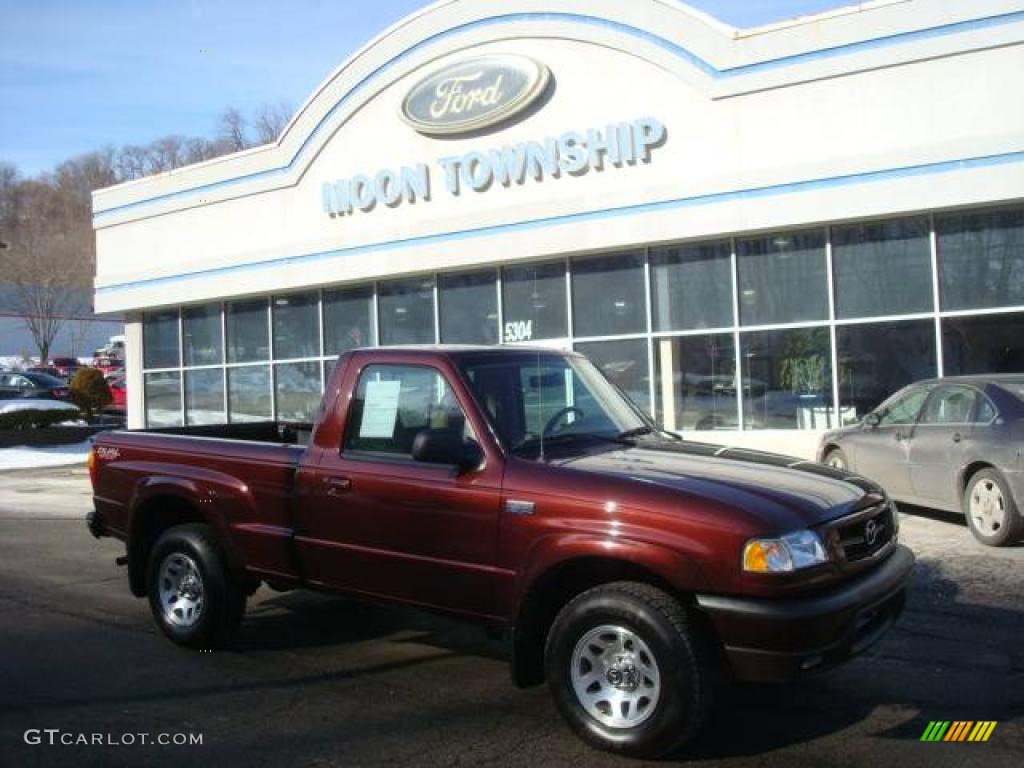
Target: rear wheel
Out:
[991,511]
[191,594]
[628,670]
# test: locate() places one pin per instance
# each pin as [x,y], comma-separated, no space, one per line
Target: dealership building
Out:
[757,234]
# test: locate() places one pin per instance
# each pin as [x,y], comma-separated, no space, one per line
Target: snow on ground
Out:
[24,457]
[30,404]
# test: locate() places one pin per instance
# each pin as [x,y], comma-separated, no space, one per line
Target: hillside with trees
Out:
[47,246]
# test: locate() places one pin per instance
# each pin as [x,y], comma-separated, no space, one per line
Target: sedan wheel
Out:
[990,508]
[837,460]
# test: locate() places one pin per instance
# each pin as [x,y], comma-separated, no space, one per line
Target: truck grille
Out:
[867,534]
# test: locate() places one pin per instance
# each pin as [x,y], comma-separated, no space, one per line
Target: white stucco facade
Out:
[872,111]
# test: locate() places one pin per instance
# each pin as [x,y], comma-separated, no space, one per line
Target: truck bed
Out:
[246,472]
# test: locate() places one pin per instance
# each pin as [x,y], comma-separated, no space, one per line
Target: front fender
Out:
[680,570]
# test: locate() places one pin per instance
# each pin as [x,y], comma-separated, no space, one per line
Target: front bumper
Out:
[777,640]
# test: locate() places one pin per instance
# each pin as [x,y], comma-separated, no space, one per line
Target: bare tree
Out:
[9,191]
[48,262]
[232,131]
[270,120]
[131,162]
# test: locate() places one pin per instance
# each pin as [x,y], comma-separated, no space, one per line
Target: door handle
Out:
[900,437]
[957,437]
[337,485]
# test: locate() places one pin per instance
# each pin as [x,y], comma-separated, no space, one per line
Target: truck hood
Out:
[783,492]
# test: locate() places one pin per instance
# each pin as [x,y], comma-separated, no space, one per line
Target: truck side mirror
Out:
[445,446]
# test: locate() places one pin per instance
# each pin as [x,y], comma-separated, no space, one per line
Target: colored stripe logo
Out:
[958,730]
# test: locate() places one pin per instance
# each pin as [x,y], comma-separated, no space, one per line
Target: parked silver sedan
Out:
[954,444]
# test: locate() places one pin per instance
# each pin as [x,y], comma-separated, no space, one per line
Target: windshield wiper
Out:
[646,430]
[637,432]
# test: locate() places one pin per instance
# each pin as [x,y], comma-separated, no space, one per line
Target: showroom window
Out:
[981,259]
[296,326]
[204,396]
[984,344]
[160,340]
[534,302]
[348,320]
[877,359]
[249,395]
[297,391]
[201,328]
[691,287]
[782,278]
[624,363]
[608,296]
[469,308]
[163,399]
[697,367]
[787,379]
[407,312]
[883,268]
[695,379]
[248,331]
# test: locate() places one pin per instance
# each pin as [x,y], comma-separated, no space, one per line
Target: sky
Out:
[78,75]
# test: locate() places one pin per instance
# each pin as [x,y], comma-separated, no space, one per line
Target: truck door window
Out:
[394,403]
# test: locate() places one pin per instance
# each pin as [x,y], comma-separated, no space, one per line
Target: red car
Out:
[118,391]
[520,489]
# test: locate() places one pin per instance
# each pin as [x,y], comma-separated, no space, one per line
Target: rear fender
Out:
[215,497]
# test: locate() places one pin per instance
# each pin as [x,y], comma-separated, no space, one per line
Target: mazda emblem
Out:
[871,532]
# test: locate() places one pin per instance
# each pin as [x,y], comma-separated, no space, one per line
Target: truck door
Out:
[382,523]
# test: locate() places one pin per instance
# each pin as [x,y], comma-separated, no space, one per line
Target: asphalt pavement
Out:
[321,681]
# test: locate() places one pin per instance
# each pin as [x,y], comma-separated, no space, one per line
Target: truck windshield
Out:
[538,399]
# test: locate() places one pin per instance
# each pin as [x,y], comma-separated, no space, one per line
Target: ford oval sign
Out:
[474,94]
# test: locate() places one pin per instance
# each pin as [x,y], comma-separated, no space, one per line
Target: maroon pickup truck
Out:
[521,489]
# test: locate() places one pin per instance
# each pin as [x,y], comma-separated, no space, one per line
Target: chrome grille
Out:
[865,535]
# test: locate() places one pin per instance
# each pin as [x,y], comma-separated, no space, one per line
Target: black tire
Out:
[192,550]
[988,484]
[682,656]
[835,457]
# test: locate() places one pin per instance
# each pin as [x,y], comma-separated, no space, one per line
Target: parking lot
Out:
[317,680]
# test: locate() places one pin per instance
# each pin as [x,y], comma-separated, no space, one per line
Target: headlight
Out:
[784,555]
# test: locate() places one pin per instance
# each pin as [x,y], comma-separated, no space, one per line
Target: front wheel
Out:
[191,594]
[991,511]
[628,670]
[836,459]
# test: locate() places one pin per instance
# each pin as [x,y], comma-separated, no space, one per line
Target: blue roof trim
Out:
[678,50]
[607,213]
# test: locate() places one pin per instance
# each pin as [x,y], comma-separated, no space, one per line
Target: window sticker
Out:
[380,409]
